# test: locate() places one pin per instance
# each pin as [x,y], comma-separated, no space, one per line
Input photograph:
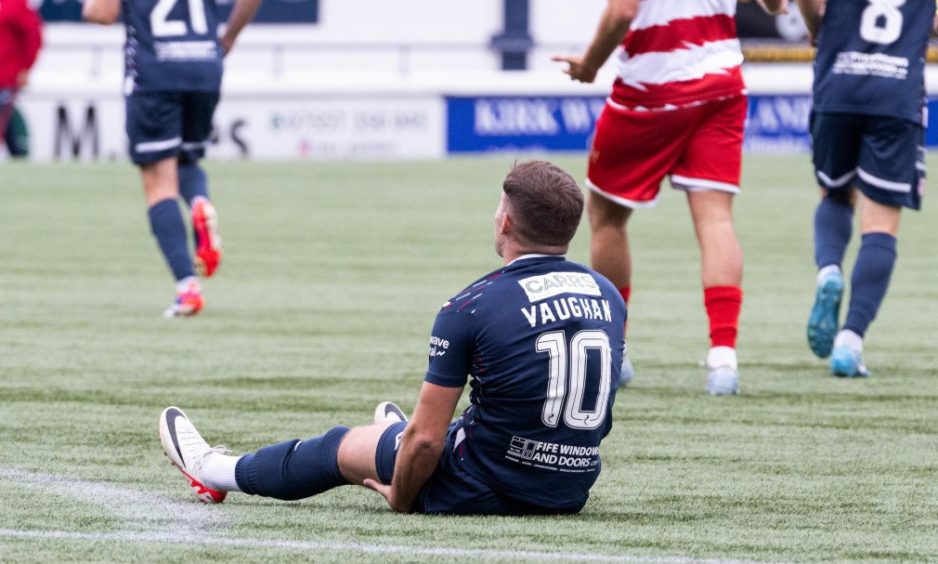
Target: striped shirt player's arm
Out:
[811,12]
[774,6]
[613,27]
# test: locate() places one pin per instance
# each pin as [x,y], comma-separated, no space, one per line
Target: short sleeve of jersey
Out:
[451,345]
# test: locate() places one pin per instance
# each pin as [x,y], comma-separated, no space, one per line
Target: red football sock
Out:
[626,292]
[723,304]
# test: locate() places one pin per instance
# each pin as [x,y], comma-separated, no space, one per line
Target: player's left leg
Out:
[289,470]
[169,229]
[868,284]
[890,175]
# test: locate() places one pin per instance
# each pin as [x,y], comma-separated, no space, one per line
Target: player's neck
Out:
[514,252]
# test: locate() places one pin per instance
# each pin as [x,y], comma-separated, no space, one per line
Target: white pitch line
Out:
[481,554]
[173,522]
[134,508]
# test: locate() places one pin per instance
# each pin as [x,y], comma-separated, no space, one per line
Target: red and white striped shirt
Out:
[679,53]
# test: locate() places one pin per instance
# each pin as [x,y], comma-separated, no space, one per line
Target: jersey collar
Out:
[534,256]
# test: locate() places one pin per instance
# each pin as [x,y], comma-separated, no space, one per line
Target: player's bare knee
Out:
[356,455]
[604,214]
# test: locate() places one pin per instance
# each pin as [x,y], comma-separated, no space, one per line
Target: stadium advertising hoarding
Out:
[526,123]
[565,123]
[258,127]
[419,126]
[338,128]
[777,123]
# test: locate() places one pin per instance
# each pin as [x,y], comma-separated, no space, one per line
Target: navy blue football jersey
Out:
[871,57]
[542,339]
[172,45]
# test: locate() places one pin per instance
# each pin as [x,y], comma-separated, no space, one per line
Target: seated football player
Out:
[541,339]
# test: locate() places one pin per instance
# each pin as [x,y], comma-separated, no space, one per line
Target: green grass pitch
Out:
[322,308]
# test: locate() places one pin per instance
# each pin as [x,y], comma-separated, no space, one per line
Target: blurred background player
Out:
[541,338]
[20,39]
[173,69]
[677,109]
[868,137]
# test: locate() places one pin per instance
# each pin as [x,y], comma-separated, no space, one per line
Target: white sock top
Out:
[722,356]
[218,472]
[183,285]
[827,271]
[849,339]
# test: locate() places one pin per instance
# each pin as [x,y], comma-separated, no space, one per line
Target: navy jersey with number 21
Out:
[542,339]
[172,45]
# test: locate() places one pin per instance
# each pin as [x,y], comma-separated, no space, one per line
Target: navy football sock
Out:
[870,280]
[833,224]
[192,182]
[293,469]
[168,227]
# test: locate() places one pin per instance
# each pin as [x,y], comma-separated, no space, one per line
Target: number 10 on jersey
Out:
[567,374]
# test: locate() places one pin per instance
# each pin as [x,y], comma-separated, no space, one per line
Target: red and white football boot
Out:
[187,450]
[207,240]
[189,299]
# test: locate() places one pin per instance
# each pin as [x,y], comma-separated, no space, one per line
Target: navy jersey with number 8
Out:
[871,57]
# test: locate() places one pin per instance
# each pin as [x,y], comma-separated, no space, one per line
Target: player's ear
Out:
[504,227]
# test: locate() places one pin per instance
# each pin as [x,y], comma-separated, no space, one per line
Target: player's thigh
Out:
[197,115]
[632,151]
[712,159]
[878,218]
[835,140]
[891,162]
[154,125]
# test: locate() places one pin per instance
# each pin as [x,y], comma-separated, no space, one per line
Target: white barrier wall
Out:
[344,115]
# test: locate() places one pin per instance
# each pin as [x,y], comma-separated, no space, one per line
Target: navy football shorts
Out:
[451,490]
[882,156]
[169,124]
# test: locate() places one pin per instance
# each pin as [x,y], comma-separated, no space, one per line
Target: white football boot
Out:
[389,412]
[187,450]
[847,358]
[627,371]
[722,372]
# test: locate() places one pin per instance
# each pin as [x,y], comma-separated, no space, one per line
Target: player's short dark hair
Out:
[546,203]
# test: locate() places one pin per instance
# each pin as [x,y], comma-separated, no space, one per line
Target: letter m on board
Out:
[73,139]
